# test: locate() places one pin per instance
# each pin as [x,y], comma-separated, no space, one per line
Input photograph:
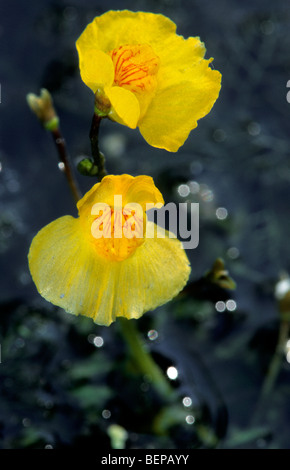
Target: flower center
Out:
[117,232]
[136,67]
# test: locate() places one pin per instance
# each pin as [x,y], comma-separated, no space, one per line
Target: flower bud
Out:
[42,107]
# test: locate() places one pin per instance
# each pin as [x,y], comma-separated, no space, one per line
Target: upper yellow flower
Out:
[110,261]
[144,74]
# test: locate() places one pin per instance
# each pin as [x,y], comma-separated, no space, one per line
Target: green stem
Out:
[143,359]
[272,373]
[276,362]
[64,158]
[148,367]
[98,157]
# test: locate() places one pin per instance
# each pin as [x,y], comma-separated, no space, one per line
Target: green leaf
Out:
[92,395]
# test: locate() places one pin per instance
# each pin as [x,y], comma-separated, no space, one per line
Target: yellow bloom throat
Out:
[136,67]
[117,232]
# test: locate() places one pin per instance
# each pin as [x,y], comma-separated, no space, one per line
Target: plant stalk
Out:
[272,373]
[98,157]
[64,158]
[276,362]
[144,360]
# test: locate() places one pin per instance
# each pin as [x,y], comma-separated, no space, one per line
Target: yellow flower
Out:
[110,261]
[144,74]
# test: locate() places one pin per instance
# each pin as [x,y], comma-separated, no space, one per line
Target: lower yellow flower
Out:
[145,75]
[110,261]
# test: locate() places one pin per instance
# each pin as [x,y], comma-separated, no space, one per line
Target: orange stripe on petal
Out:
[136,67]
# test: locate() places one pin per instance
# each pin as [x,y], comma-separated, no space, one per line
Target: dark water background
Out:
[239,155]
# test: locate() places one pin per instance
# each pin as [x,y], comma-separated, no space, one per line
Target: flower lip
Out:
[69,272]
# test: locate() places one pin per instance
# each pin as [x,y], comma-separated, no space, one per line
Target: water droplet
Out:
[114,144]
[233,252]
[187,401]
[152,335]
[231,305]
[194,187]
[91,338]
[61,296]
[254,128]
[221,213]
[61,166]
[282,288]
[220,306]
[106,414]
[98,341]
[24,278]
[190,419]
[183,190]
[172,373]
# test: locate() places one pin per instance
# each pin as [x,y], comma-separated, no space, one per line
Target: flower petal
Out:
[140,189]
[178,56]
[68,273]
[175,109]
[125,106]
[115,28]
[143,190]
[96,67]
[157,272]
